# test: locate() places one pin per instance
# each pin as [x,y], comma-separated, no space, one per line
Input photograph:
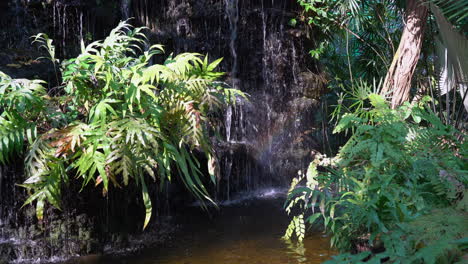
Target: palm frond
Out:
[452,51]
[454,10]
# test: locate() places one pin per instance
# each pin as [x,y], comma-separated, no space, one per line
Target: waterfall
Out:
[1,205]
[295,67]
[263,59]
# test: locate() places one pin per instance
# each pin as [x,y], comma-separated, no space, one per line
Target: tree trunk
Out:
[398,80]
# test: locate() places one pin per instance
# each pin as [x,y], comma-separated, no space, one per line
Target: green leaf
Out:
[292,22]
[311,219]
[146,201]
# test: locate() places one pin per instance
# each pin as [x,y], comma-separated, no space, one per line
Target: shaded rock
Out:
[312,85]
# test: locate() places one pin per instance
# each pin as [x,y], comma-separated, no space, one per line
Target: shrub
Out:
[117,119]
[398,165]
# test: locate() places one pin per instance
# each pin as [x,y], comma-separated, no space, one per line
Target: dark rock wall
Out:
[268,137]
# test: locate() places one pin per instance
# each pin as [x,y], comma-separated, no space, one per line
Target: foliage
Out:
[22,103]
[454,10]
[398,165]
[355,100]
[357,37]
[432,238]
[118,119]
[46,44]
[451,73]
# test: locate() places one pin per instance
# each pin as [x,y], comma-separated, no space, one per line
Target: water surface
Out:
[242,231]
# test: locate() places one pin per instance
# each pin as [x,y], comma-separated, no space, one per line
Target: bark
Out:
[398,80]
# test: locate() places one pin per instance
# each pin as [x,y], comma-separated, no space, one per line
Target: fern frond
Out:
[13,134]
[21,95]
[45,174]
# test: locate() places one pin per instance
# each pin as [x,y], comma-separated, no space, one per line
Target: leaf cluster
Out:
[120,119]
[398,165]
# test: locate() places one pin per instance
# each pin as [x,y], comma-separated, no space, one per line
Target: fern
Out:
[389,172]
[45,175]
[120,121]
[11,138]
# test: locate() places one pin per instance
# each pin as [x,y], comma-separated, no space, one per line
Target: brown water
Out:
[245,232]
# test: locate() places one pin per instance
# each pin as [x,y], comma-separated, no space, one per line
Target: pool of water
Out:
[242,231]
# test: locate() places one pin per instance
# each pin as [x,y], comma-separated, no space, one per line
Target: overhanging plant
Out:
[118,120]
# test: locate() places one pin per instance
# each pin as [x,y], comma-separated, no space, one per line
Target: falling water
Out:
[228,123]
[1,209]
[232,11]
[264,35]
[81,25]
[233,17]
[228,168]
[241,121]
[125,8]
[54,10]
[63,26]
[294,62]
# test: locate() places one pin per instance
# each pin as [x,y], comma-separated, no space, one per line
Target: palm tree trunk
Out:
[399,75]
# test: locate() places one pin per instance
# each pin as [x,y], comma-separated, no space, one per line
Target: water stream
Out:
[247,229]
[232,12]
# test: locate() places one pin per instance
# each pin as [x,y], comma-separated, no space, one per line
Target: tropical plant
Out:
[22,103]
[454,10]
[398,80]
[432,238]
[359,38]
[118,120]
[398,164]
[356,37]
[452,76]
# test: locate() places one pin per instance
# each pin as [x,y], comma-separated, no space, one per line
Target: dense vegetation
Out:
[115,119]
[398,165]
[396,191]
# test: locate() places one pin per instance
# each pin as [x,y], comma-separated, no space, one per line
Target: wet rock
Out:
[312,85]
[7,252]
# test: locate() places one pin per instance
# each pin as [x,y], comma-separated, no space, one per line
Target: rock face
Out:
[265,139]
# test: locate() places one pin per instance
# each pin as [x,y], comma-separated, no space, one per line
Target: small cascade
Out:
[68,26]
[227,173]
[228,123]
[81,26]
[264,59]
[232,12]
[125,8]
[295,66]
